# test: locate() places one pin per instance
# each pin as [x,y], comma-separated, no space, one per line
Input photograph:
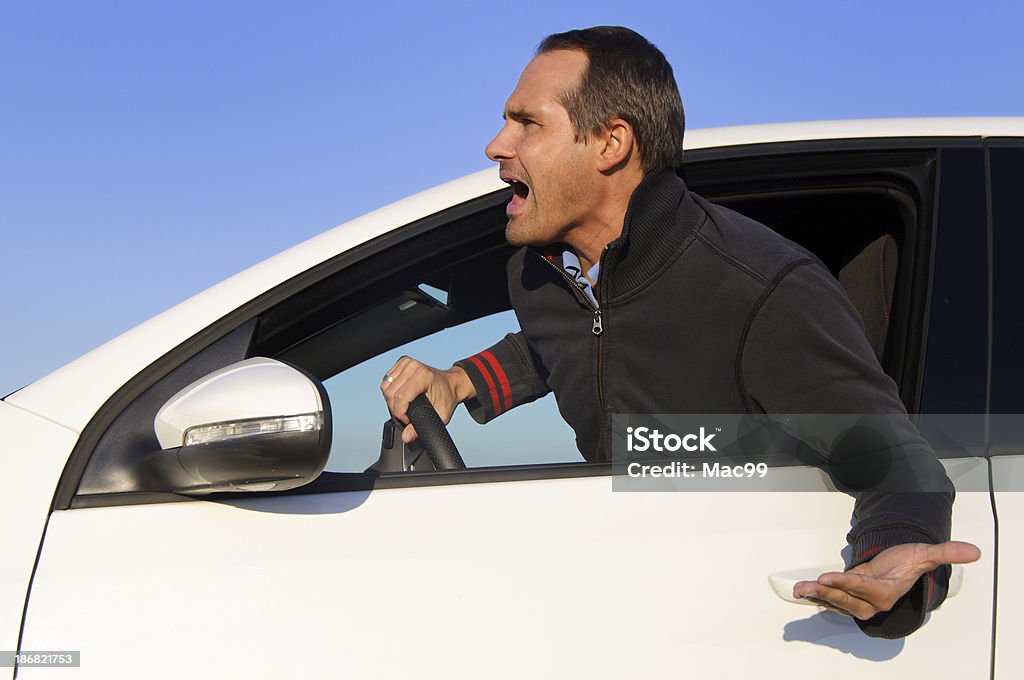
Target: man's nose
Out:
[499,149]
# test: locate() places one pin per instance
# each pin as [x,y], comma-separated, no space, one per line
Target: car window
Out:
[953,397]
[1006,167]
[529,434]
[436,290]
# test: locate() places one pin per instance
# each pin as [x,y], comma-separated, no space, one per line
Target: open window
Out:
[437,290]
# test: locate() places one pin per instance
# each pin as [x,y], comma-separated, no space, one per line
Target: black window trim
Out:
[997,448]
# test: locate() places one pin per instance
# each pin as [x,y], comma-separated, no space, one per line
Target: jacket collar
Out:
[661,219]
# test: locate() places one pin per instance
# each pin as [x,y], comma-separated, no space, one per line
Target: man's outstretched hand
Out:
[876,585]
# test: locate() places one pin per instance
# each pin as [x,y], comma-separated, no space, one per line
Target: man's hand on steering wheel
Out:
[409,378]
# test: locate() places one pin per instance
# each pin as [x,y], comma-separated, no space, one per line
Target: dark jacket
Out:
[703,310]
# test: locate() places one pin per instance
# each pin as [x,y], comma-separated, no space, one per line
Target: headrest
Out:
[869,278]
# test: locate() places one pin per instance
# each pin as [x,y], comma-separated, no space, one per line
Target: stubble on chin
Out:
[518,233]
[514,235]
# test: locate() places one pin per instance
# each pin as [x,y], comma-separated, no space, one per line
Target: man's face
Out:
[550,172]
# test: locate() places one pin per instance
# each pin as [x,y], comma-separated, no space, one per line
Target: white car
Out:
[165,514]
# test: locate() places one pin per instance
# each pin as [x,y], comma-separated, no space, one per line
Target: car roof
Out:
[770,133]
[70,395]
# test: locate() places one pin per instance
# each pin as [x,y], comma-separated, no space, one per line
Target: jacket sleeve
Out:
[505,375]
[805,353]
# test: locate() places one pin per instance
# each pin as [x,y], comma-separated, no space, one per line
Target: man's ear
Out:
[617,145]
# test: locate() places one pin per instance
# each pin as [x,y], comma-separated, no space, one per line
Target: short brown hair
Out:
[626,77]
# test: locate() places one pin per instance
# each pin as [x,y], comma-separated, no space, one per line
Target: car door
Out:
[1005,163]
[527,563]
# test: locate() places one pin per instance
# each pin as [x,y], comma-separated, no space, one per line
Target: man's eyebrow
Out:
[518,115]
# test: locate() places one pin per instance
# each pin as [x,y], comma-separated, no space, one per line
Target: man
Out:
[618,252]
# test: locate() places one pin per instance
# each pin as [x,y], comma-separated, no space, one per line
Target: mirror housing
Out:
[256,425]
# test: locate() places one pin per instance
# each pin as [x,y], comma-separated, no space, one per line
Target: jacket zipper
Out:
[596,327]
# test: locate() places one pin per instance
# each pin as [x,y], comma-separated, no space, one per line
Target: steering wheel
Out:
[434,435]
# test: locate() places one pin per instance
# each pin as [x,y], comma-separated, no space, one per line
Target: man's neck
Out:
[589,240]
[589,245]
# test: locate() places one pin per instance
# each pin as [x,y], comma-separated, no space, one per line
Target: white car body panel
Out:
[551,578]
[40,448]
[770,133]
[1008,473]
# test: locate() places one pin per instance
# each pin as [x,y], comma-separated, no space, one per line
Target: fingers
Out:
[400,385]
[408,379]
[835,598]
[953,552]
[409,434]
[878,594]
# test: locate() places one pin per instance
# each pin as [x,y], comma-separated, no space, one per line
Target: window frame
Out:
[1000,422]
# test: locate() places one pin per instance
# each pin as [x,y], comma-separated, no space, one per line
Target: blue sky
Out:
[150,149]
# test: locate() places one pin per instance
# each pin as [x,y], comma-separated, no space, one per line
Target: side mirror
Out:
[256,425]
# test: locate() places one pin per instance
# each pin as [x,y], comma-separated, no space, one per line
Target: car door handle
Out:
[782,582]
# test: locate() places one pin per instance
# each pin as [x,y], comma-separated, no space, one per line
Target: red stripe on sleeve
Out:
[490,383]
[868,552]
[499,373]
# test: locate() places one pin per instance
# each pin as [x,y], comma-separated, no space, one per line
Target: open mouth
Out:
[520,190]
